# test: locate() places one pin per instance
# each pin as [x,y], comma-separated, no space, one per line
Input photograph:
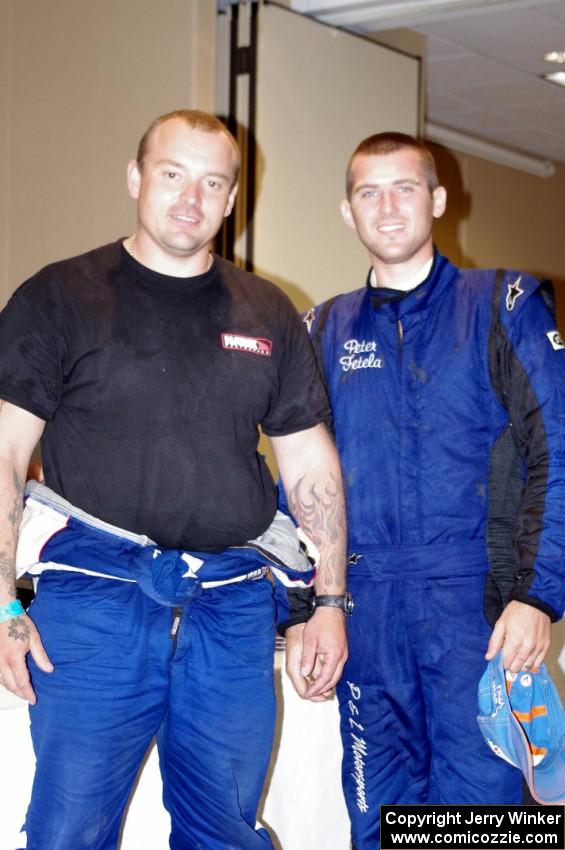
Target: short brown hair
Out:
[383,143]
[196,120]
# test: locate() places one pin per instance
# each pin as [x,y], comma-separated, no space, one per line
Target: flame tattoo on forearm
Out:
[319,509]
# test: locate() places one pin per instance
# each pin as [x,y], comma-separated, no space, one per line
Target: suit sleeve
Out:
[528,368]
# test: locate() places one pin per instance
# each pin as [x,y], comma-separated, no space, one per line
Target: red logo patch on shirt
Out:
[251,344]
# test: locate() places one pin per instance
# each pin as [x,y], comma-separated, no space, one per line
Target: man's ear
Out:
[347,215]
[133,178]
[439,196]
[231,199]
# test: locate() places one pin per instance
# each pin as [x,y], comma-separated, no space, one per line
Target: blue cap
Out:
[523,722]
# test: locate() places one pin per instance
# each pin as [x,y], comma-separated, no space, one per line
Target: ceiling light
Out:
[557,77]
[555,56]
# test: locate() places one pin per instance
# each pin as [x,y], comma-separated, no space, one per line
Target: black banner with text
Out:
[472,827]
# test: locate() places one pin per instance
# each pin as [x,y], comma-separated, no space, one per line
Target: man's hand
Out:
[316,652]
[523,632]
[19,636]
[20,431]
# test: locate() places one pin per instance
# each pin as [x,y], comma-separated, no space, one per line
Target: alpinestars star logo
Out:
[250,344]
[514,292]
[309,319]
[556,340]
[354,558]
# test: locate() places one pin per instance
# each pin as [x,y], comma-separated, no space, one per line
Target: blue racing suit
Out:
[148,641]
[449,416]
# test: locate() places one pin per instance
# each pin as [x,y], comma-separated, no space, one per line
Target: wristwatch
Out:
[345,602]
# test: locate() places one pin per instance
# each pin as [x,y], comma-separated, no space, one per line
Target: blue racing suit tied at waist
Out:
[433,561]
[56,535]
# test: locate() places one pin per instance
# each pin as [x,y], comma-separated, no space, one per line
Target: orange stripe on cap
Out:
[528,716]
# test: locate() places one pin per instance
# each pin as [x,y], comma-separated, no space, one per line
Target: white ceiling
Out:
[484,61]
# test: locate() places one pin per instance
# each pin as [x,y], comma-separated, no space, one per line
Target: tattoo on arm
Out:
[18,629]
[16,509]
[7,574]
[13,517]
[320,511]
[15,512]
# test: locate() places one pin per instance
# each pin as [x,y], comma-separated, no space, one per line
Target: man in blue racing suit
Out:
[448,396]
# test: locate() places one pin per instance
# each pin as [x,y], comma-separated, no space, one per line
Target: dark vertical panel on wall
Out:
[243,61]
[251,145]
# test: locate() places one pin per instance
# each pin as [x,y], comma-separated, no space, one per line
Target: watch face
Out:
[348,604]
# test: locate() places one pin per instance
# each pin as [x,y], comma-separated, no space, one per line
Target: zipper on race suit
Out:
[400,405]
[173,634]
[400,334]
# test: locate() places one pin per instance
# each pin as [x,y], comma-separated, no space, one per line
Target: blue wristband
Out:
[11,610]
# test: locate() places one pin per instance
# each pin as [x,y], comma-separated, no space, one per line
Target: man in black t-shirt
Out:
[146,368]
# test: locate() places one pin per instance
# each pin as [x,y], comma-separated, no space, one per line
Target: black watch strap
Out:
[344,601]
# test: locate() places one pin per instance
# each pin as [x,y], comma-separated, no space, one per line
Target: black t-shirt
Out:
[153,388]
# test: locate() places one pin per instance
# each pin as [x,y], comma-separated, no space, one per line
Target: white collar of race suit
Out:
[409,283]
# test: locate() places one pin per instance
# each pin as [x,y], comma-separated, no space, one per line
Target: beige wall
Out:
[319,92]
[5,128]
[80,82]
